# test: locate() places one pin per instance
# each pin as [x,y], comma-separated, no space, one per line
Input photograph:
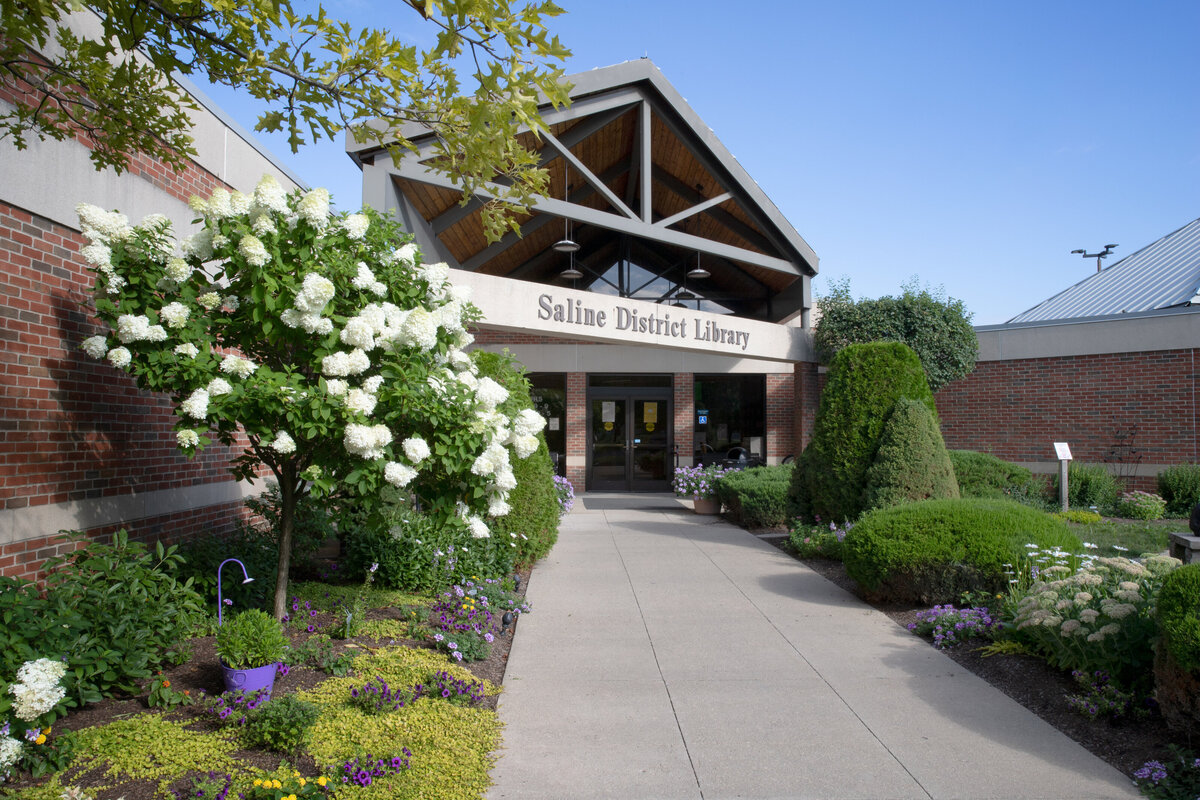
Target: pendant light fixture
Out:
[571,273]
[566,244]
[698,272]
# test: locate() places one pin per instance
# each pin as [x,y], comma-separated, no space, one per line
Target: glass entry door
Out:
[630,441]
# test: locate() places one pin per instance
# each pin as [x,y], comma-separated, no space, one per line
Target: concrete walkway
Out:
[670,655]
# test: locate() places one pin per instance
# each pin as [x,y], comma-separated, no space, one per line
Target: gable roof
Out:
[1165,274]
[650,185]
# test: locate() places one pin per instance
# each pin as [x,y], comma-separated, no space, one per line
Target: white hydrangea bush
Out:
[37,693]
[1098,617]
[323,339]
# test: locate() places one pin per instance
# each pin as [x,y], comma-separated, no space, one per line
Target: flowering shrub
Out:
[819,541]
[323,340]
[161,694]
[1100,618]
[292,787]
[37,696]
[1178,779]
[566,493]
[1141,505]
[232,708]
[699,483]
[952,626]
[469,617]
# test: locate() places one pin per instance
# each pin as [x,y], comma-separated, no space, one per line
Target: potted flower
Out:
[700,483]
[250,647]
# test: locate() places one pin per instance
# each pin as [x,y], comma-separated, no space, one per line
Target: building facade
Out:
[657,298]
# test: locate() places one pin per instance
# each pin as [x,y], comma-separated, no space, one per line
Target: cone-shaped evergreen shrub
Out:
[865,381]
[911,463]
[532,522]
[933,551]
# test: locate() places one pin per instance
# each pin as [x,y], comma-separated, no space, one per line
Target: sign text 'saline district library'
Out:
[573,311]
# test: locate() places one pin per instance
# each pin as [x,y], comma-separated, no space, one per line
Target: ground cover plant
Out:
[308,739]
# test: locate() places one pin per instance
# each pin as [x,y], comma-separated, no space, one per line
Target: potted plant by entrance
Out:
[250,647]
[700,483]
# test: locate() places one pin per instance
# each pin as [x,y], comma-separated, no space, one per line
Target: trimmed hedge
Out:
[532,524]
[1178,613]
[984,475]
[756,497]
[865,381]
[911,463]
[1180,487]
[933,551]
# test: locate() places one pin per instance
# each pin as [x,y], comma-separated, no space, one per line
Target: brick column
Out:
[781,417]
[807,393]
[577,432]
[685,413]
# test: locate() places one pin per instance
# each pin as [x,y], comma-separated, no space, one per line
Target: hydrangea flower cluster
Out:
[37,690]
[309,330]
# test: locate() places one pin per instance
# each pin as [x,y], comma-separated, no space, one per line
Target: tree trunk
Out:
[287,514]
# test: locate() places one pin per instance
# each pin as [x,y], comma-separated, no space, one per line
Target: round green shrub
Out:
[532,522]
[1180,488]
[865,381]
[985,475]
[1140,505]
[1178,613]
[911,463]
[933,551]
[251,639]
[756,497]
[1089,485]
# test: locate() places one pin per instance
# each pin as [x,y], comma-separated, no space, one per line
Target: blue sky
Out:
[972,145]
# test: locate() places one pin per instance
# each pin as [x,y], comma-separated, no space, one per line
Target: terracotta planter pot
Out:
[249,680]
[706,505]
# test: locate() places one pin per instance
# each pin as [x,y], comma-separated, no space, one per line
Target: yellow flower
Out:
[277,784]
[321,781]
[295,773]
[41,739]
[291,797]
[258,781]
[302,781]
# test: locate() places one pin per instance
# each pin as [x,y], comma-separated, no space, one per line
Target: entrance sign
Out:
[650,413]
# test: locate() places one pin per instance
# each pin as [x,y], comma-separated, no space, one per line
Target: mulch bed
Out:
[202,673]
[1125,744]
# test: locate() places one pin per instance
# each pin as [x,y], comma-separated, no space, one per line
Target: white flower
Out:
[175,314]
[367,441]
[37,690]
[340,364]
[315,292]
[420,329]
[398,474]
[262,224]
[360,402]
[187,349]
[232,302]
[358,333]
[356,225]
[119,357]
[196,404]
[504,479]
[219,204]
[479,528]
[10,754]
[95,346]
[490,394]
[435,275]
[528,423]
[311,323]
[525,446]
[253,250]
[187,438]
[283,443]
[97,254]
[102,226]
[236,365]
[498,507]
[199,245]
[407,254]
[336,386]
[365,280]
[270,195]
[372,384]
[492,460]
[416,448]
[314,208]
[209,300]
[137,328]
[217,387]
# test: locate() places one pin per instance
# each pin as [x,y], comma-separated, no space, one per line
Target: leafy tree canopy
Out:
[312,73]
[936,327]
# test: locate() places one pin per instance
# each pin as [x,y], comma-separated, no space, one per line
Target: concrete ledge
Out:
[19,524]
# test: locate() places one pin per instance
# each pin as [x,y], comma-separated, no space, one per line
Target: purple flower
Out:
[228,602]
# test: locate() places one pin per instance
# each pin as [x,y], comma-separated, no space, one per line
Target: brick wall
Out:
[577,433]
[807,384]
[781,416]
[1102,405]
[685,415]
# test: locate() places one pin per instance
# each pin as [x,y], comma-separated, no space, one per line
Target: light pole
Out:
[1105,253]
